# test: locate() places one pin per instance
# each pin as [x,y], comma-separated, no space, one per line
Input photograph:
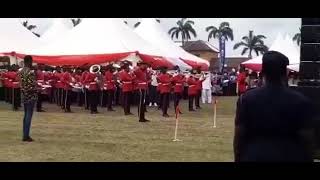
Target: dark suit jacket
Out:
[268,122]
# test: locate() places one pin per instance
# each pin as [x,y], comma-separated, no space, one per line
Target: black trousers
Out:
[165,103]
[39,101]
[67,100]
[118,96]
[17,98]
[191,99]
[94,100]
[104,98]
[80,98]
[177,97]
[197,99]
[153,94]
[9,94]
[60,95]
[160,100]
[1,93]
[110,98]
[6,94]
[185,92]
[142,104]
[86,98]
[126,102]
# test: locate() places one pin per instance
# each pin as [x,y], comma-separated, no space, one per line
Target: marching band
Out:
[102,84]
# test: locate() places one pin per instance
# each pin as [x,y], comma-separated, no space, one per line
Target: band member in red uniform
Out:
[142,80]
[8,84]
[85,90]
[67,82]
[15,87]
[165,80]
[178,82]
[110,85]
[80,95]
[160,97]
[192,90]
[58,85]
[126,78]
[241,81]
[41,80]
[199,78]
[93,87]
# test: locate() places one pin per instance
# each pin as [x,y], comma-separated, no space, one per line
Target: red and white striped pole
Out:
[215,101]
[177,123]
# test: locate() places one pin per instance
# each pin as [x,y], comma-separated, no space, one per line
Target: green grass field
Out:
[111,136]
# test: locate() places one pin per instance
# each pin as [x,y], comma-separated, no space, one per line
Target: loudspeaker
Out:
[310,21]
[310,34]
[309,70]
[310,49]
[310,52]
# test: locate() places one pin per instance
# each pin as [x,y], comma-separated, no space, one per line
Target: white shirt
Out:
[206,84]
[154,81]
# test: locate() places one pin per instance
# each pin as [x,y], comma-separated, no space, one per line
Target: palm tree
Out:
[224,32]
[297,37]
[252,43]
[75,22]
[184,27]
[30,27]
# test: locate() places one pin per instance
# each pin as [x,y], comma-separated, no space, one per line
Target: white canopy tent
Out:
[285,46]
[55,32]
[150,30]
[99,36]
[16,38]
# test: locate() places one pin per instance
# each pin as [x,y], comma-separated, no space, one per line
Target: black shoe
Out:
[198,107]
[28,139]
[41,110]
[166,115]
[192,110]
[111,110]
[144,120]
[94,112]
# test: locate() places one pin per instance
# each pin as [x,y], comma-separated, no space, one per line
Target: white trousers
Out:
[206,96]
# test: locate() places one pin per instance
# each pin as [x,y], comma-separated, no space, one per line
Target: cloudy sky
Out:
[269,27]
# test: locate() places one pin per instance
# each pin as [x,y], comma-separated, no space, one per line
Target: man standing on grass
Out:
[29,92]
[272,122]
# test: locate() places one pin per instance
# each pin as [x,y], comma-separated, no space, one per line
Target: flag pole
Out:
[177,123]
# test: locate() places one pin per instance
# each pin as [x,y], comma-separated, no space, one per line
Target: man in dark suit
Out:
[270,120]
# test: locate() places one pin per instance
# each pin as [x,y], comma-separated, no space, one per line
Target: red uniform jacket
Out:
[241,80]
[199,84]
[83,77]
[40,76]
[13,81]
[58,77]
[126,80]
[110,83]
[165,81]
[178,82]
[66,80]
[141,79]
[193,89]
[6,81]
[90,80]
